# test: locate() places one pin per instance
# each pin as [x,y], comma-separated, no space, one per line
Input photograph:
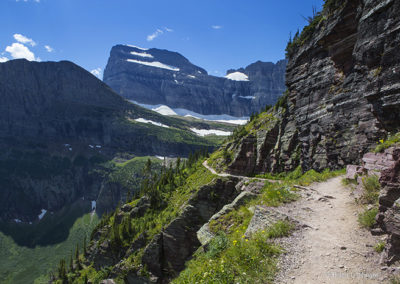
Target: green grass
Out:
[22,265]
[275,194]
[153,220]
[371,189]
[304,179]
[230,222]
[367,218]
[390,141]
[379,247]
[236,259]
[129,173]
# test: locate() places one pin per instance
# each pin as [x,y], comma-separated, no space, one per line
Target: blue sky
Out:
[214,34]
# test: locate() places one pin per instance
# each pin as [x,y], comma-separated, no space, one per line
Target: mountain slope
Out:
[154,76]
[58,123]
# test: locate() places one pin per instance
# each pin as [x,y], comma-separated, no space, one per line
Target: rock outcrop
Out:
[343,80]
[154,76]
[385,165]
[165,254]
[389,205]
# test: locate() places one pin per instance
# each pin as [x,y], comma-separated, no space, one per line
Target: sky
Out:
[216,35]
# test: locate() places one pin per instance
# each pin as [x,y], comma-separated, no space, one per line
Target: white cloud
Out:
[18,50]
[3,59]
[49,48]
[37,1]
[216,27]
[96,72]
[157,33]
[23,39]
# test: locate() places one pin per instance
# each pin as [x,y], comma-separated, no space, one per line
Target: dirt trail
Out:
[205,164]
[332,248]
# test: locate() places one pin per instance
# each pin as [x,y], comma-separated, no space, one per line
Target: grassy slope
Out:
[152,221]
[233,258]
[25,265]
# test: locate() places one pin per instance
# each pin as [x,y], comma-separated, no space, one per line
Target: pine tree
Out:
[84,246]
[62,273]
[77,259]
[71,263]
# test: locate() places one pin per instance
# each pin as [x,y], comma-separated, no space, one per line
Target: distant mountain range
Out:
[161,77]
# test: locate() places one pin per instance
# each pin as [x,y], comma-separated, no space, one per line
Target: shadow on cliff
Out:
[52,229]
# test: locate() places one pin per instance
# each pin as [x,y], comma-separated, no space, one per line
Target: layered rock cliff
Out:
[343,85]
[154,76]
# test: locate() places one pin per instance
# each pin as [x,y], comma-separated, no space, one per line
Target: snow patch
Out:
[41,215]
[142,54]
[154,64]
[17,221]
[204,132]
[93,205]
[98,146]
[191,76]
[134,46]
[142,120]
[247,97]
[164,110]
[237,121]
[237,76]
[160,158]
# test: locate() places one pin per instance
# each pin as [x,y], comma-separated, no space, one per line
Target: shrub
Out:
[280,229]
[367,218]
[217,245]
[372,187]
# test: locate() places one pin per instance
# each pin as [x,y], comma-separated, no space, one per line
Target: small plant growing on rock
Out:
[379,247]
[390,141]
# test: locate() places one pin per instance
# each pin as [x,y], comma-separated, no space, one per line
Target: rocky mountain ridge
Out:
[154,76]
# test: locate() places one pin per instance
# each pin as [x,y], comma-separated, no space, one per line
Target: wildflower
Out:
[234,242]
[381,141]
[247,240]
[243,236]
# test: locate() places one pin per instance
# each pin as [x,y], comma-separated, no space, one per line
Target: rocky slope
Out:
[59,125]
[154,76]
[343,84]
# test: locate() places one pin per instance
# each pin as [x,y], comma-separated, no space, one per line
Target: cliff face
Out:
[343,85]
[153,76]
[58,125]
